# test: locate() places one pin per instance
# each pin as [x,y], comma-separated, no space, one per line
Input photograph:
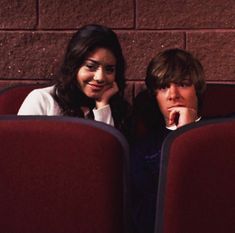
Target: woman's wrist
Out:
[101,104]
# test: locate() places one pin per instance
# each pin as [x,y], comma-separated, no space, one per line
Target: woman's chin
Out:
[93,95]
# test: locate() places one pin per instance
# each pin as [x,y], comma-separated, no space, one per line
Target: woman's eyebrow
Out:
[100,63]
[94,61]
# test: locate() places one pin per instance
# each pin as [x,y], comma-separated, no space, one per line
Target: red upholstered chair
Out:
[11,98]
[219,100]
[61,175]
[196,184]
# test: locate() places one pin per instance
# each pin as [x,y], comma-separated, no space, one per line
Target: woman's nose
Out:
[99,75]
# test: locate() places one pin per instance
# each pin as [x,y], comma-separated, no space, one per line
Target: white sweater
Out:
[41,102]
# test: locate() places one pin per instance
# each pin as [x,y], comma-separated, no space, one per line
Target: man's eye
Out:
[163,87]
[185,84]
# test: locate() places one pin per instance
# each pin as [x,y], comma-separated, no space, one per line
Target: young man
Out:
[175,81]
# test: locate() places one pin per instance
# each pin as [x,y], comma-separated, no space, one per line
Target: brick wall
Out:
[34,33]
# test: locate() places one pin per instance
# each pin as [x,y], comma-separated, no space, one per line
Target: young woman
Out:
[91,82]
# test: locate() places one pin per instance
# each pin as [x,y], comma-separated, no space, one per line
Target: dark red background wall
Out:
[34,34]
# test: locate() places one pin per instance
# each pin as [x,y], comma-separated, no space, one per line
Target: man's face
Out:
[177,97]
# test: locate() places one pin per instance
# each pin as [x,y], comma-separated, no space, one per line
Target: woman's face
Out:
[97,73]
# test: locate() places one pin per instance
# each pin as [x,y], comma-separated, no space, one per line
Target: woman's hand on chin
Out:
[109,91]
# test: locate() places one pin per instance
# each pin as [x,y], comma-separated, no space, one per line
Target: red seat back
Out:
[11,98]
[61,174]
[219,100]
[196,184]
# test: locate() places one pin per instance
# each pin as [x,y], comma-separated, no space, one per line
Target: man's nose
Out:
[173,92]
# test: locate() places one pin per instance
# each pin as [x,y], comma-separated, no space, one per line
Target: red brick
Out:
[139,86]
[162,14]
[31,55]
[216,50]
[140,47]
[15,14]
[72,14]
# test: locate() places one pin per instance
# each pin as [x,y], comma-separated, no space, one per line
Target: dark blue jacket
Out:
[145,160]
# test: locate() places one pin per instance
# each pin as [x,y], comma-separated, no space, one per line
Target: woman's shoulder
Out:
[44,94]
[40,101]
[49,90]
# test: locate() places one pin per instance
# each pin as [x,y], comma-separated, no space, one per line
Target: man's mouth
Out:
[176,106]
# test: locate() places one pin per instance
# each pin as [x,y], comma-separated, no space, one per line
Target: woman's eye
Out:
[109,69]
[91,67]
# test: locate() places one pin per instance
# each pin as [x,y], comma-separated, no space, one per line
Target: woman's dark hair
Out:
[175,65]
[67,91]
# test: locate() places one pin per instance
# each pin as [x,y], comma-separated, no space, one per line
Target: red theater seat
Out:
[218,101]
[196,184]
[61,175]
[11,98]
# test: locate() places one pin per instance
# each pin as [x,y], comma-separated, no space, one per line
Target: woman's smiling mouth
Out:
[96,87]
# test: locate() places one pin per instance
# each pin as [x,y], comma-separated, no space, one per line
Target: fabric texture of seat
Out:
[61,174]
[11,98]
[196,184]
[219,100]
